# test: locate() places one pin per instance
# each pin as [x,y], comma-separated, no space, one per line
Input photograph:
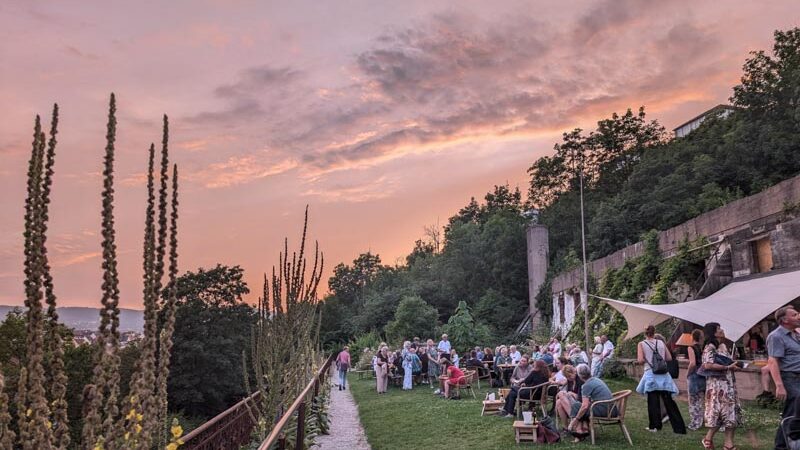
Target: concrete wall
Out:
[756,213]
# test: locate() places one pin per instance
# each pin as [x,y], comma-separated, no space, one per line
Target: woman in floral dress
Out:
[722,408]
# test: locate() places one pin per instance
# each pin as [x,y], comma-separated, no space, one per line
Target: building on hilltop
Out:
[721,111]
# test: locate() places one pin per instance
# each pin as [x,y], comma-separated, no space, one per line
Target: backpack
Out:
[657,362]
[547,431]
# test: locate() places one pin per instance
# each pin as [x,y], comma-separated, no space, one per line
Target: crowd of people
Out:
[573,378]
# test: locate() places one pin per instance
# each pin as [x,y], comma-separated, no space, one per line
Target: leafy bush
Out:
[360,344]
[614,369]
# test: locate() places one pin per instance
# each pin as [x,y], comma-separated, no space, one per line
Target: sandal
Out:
[708,445]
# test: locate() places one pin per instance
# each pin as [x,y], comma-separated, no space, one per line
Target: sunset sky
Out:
[383,116]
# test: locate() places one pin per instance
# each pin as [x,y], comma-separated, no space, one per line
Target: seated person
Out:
[478,352]
[593,389]
[488,355]
[521,371]
[569,393]
[454,359]
[503,373]
[537,354]
[453,376]
[558,377]
[540,374]
[578,356]
[475,363]
[547,357]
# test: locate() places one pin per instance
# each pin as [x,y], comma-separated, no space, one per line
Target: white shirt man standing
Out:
[444,347]
[514,354]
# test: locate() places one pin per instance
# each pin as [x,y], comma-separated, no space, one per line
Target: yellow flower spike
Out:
[179,441]
[138,428]
[127,435]
[49,425]
[131,414]
[139,417]
[29,412]
[172,446]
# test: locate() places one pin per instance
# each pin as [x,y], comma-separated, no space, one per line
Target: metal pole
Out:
[585,292]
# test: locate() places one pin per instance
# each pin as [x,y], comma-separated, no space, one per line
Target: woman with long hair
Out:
[540,374]
[722,408]
[569,394]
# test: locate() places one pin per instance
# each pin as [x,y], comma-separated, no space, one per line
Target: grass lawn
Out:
[420,420]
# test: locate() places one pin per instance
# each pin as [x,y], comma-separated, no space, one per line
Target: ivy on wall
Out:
[644,279]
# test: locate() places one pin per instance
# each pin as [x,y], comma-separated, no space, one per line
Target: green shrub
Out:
[614,369]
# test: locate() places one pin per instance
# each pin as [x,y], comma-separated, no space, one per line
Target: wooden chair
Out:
[470,376]
[617,404]
[531,403]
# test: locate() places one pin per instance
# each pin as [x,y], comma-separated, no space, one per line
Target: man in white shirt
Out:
[514,354]
[608,353]
[444,347]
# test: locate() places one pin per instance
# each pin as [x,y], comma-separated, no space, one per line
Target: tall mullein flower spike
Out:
[57,379]
[165,344]
[106,374]
[23,420]
[35,401]
[152,406]
[7,435]
[141,385]
[283,346]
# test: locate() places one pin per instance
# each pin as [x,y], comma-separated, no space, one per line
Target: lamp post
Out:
[585,290]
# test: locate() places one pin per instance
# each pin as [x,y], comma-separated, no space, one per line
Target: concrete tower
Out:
[538,249]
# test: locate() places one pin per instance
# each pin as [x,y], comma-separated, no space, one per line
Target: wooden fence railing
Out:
[229,429]
[233,428]
[277,438]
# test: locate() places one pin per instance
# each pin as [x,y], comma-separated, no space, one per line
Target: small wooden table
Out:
[524,432]
[492,406]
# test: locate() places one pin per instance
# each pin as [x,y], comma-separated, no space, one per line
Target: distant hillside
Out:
[81,318]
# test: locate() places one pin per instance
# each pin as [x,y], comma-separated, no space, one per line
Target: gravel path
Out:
[346,431]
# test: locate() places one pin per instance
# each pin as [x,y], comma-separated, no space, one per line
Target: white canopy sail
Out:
[737,307]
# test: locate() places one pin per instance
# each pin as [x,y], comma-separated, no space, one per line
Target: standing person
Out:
[555,348]
[405,363]
[723,410]
[784,362]
[696,383]
[658,387]
[514,354]
[596,352]
[423,367]
[343,365]
[411,364]
[432,355]
[444,347]
[382,370]
[608,353]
